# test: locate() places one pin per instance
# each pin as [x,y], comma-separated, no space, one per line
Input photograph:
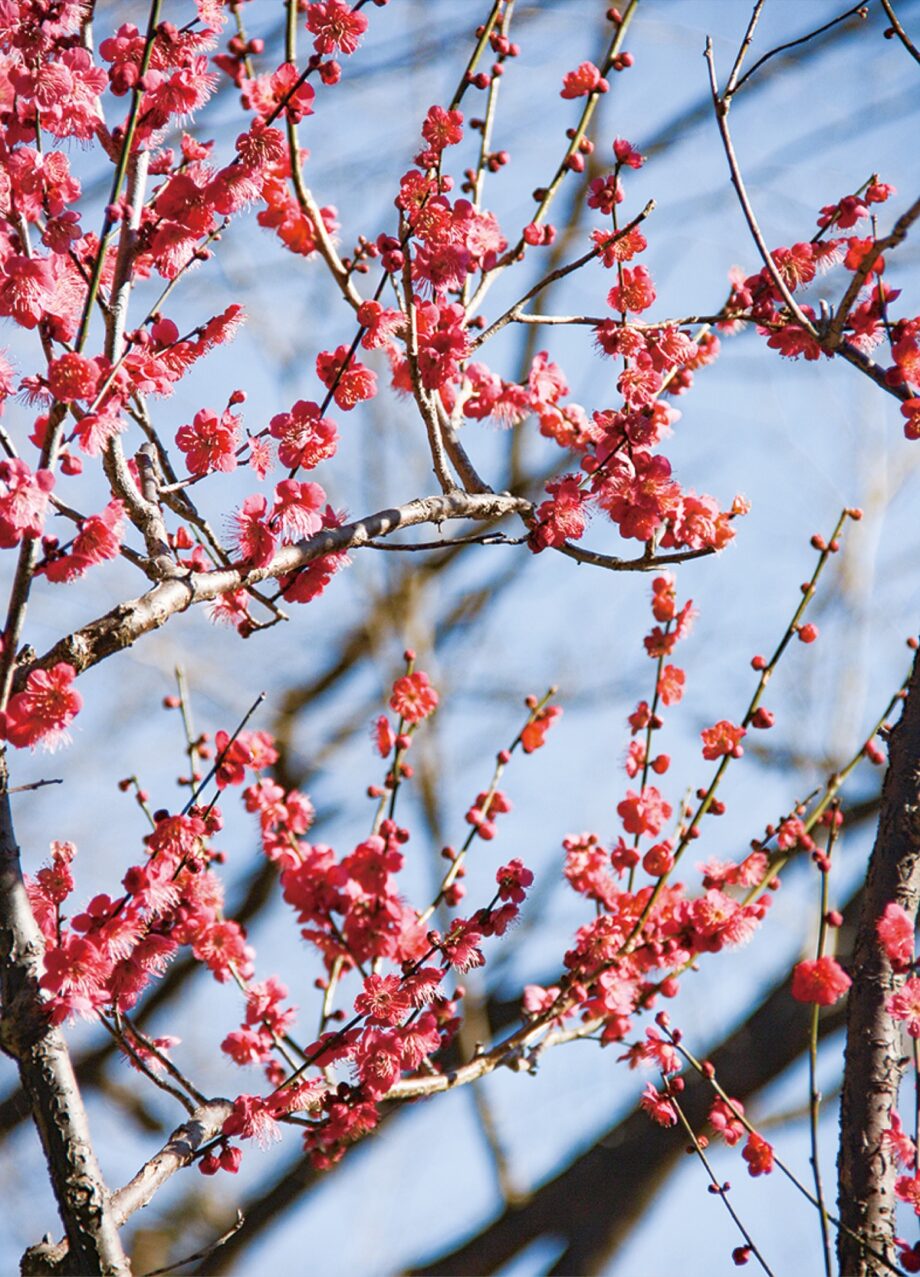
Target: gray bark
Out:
[875,1056]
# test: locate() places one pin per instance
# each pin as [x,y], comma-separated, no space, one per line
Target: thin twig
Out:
[790,1175]
[858,10]
[140,1063]
[814,1095]
[647,563]
[206,1253]
[744,47]
[719,1189]
[578,133]
[477,53]
[199,790]
[35,784]
[555,275]
[900,32]
[721,109]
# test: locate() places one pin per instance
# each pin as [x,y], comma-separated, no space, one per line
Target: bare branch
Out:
[206,1253]
[899,30]
[647,563]
[858,11]
[744,47]
[721,109]
[35,784]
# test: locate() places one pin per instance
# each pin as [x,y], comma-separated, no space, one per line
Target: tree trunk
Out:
[875,1059]
[47,1075]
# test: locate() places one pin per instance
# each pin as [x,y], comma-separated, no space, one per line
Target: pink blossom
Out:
[905,1005]
[43,710]
[821,981]
[896,932]
[644,813]
[210,442]
[413,697]
[336,26]
[657,1106]
[585,79]
[724,739]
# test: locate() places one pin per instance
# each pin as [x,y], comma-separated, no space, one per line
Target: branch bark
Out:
[874,1057]
[129,621]
[47,1075]
[179,1151]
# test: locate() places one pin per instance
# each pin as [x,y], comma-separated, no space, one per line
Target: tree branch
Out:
[129,621]
[899,31]
[721,109]
[178,1151]
[874,1057]
[47,1075]
[858,11]
[897,235]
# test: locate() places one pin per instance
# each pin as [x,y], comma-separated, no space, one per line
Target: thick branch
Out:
[178,1152]
[47,1075]
[874,1056]
[129,621]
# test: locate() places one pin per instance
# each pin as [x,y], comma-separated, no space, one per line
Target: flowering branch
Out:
[310,208]
[829,339]
[718,1188]
[834,333]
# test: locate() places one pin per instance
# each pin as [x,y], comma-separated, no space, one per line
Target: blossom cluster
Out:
[866,326]
[350,911]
